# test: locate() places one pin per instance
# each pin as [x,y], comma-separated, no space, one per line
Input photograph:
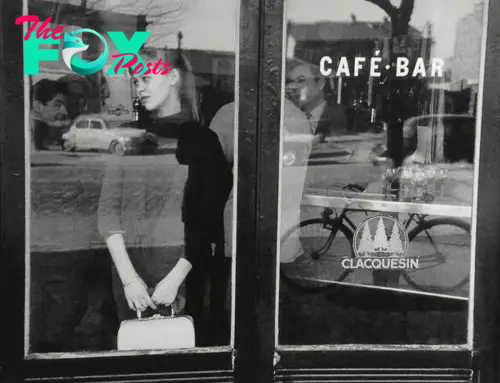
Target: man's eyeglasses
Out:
[299,80]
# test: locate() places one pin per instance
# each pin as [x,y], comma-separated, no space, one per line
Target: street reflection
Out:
[104,164]
[388,145]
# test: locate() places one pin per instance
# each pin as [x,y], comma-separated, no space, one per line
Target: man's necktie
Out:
[311,122]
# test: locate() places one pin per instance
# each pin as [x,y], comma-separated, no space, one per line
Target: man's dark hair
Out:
[45,90]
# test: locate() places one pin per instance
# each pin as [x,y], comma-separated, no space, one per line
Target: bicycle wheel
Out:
[443,248]
[323,245]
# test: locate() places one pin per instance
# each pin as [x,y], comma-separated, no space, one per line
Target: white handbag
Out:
[157,332]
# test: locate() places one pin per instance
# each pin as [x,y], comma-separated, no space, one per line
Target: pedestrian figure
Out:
[139,263]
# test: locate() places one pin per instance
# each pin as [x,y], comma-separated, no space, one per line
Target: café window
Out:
[378,184]
[121,243]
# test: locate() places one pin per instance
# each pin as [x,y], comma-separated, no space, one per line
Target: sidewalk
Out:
[59,158]
[71,301]
[367,136]
[355,147]
[60,233]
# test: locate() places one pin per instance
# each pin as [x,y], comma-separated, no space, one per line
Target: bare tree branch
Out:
[163,16]
[148,7]
[157,11]
[43,9]
[406,10]
[386,6]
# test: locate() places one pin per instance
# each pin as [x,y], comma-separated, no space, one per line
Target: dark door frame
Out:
[457,363]
[261,42]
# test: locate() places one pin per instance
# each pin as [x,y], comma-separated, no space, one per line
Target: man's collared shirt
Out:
[315,115]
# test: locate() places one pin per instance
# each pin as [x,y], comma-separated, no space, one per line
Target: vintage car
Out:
[296,149]
[98,132]
[303,149]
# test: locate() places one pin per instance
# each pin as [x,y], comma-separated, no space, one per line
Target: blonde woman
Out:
[144,276]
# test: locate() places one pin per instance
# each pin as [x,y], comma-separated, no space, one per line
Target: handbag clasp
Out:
[156,316]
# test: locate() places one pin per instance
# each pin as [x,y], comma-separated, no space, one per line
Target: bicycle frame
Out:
[415,224]
[343,219]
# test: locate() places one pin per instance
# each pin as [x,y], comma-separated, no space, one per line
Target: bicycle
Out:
[304,272]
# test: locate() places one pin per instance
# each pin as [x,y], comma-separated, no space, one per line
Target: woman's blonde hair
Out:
[177,60]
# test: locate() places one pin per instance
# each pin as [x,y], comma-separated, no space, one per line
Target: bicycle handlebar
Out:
[354,188]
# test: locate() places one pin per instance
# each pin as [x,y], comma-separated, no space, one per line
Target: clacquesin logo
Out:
[72,45]
[386,249]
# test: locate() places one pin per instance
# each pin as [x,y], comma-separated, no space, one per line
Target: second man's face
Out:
[302,86]
[55,109]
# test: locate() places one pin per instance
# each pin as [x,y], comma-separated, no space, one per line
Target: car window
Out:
[96,125]
[82,124]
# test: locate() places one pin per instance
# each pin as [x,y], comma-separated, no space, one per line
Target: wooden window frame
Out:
[255,358]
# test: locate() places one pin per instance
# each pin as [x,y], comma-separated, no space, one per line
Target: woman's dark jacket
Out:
[135,208]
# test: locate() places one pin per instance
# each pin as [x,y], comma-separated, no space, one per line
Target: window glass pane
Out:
[379,132]
[95,125]
[82,124]
[116,223]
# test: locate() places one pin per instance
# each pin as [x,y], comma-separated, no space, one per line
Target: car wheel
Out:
[68,146]
[117,148]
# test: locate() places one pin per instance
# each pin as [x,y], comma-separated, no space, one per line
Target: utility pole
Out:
[400,22]
[398,47]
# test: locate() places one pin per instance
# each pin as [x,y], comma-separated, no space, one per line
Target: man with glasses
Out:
[305,87]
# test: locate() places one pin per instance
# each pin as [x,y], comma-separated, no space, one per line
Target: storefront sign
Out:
[386,249]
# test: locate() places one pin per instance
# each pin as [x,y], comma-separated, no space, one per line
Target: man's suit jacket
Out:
[333,120]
